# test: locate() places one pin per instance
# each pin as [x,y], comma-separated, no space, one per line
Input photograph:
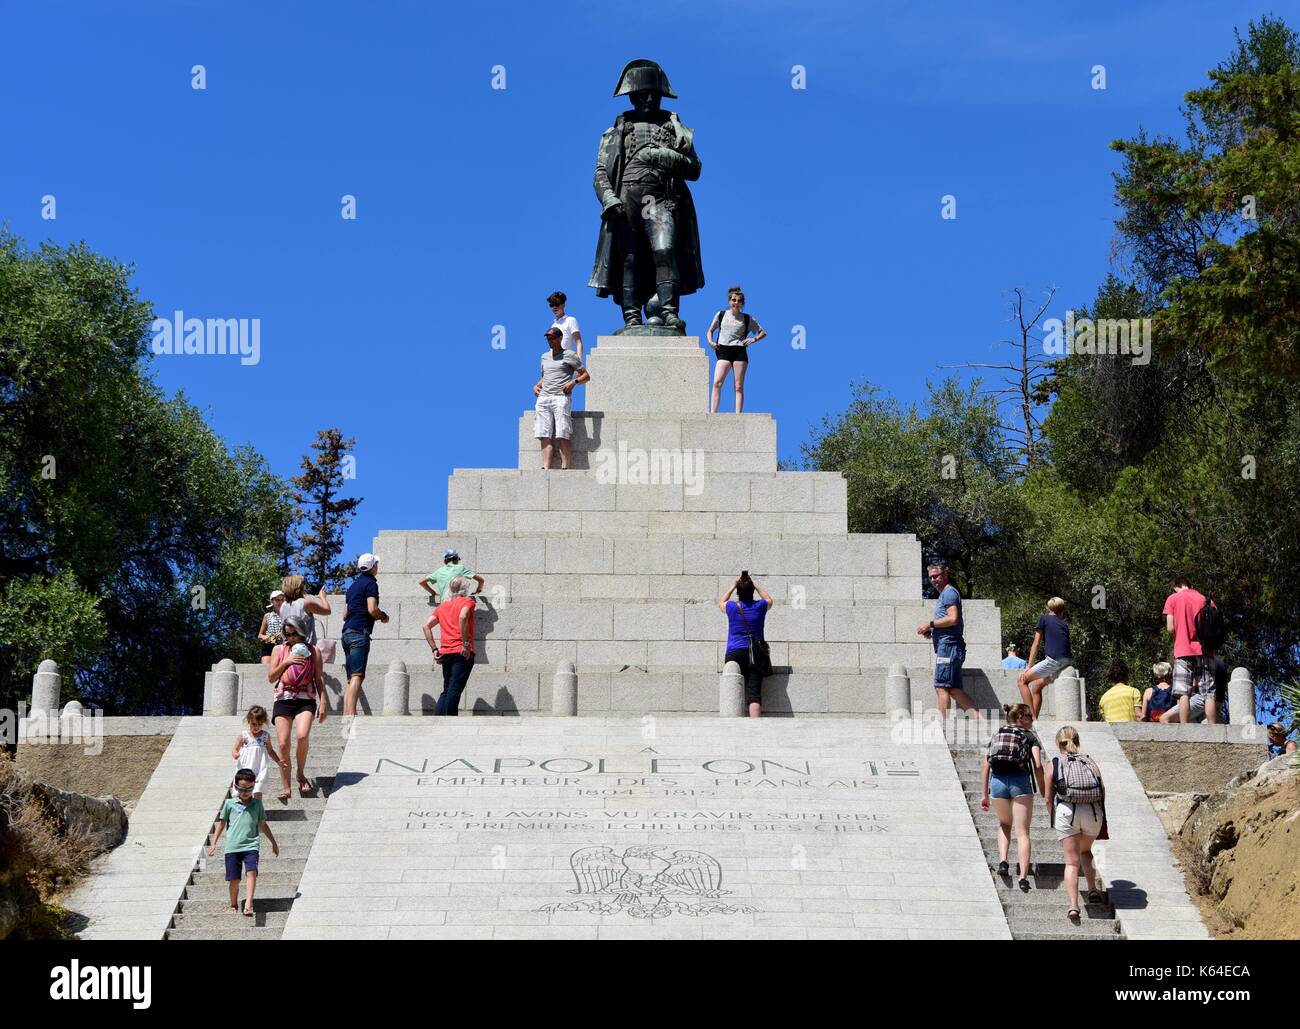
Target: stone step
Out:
[1049,935]
[1086,927]
[220,905]
[280,867]
[221,921]
[292,848]
[217,892]
[265,933]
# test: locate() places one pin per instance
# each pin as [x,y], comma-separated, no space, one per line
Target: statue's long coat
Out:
[607,272]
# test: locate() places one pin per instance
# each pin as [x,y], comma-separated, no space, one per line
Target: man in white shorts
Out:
[561,372]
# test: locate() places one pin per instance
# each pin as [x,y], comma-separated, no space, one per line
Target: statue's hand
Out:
[612,210]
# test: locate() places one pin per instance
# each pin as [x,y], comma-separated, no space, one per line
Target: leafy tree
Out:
[326,515]
[134,546]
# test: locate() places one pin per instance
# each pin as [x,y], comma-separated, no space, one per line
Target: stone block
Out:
[615,523]
[860,623]
[795,625]
[799,523]
[580,556]
[464,491]
[593,692]
[784,491]
[682,523]
[580,491]
[854,555]
[649,379]
[750,523]
[855,694]
[577,620]
[459,521]
[604,654]
[639,432]
[424,550]
[516,620]
[699,588]
[704,622]
[638,692]
[805,656]
[904,556]
[649,497]
[887,587]
[652,620]
[391,553]
[794,557]
[718,492]
[539,653]
[830,493]
[716,556]
[648,556]
[693,654]
[614,587]
[509,555]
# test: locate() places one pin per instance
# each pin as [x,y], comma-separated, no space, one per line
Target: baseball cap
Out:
[277,593]
[367,561]
[451,552]
[553,331]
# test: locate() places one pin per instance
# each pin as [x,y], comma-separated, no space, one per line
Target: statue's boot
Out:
[631,308]
[667,291]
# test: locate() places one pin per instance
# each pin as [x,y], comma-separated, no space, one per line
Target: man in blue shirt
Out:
[944,630]
[1013,659]
[361,613]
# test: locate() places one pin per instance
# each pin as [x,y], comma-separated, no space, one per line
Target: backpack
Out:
[1009,751]
[745,316]
[1209,629]
[1162,700]
[1078,781]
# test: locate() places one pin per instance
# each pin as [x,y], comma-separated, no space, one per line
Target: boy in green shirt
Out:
[436,582]
[246,818]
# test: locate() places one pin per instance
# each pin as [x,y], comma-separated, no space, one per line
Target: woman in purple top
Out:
[745,618]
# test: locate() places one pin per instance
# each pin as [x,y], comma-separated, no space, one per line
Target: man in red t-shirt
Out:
[1193,679]
[455,649]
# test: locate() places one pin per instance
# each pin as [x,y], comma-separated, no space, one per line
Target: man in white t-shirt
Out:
[566,323]
[561,373]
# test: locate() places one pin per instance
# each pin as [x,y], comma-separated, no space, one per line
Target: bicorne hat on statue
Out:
[643,76]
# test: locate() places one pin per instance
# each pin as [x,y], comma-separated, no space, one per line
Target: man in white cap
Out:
[361,611]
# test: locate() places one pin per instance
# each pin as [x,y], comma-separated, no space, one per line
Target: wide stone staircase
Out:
[203,912]
[1039,914]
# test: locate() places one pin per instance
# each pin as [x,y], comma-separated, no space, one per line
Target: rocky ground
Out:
[122,769]
[1168,767]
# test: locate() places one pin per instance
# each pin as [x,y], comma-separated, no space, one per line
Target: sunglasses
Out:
[289,632]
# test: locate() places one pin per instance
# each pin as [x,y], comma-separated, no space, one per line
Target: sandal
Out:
[248,913]
[1095,897]
[1004,868]
[285,794]
[1024,884]
[305,786]
[1073,914]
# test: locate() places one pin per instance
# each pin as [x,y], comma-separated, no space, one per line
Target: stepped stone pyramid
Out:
[617,564]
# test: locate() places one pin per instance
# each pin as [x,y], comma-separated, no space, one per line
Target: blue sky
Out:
[473,203]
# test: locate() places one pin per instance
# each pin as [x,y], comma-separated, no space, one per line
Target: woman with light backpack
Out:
[1012,764]
[1076,790]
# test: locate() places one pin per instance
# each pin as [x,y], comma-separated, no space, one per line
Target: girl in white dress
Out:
[254,749]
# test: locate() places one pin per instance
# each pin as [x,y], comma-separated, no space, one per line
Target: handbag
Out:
[328,651]
[760,654]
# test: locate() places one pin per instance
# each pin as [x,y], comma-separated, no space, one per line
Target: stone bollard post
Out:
[1067,705]
[564,690]
[225,689]
[70,720]
[397,689]
[731,692]
[47,683]
[1241,697]
[898,691]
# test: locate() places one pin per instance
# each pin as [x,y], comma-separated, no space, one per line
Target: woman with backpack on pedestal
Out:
[1077,794]
[1012,763]
[732,346]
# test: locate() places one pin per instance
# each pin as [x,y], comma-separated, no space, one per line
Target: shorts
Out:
[1197,703]
[291,709]
[1010,786]
[948,658]
[734,353]
[245,858]
[1192,675]
[753,677]
[267,648]
[1078,819]
[356,651]
[554,417]
[1049,668]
